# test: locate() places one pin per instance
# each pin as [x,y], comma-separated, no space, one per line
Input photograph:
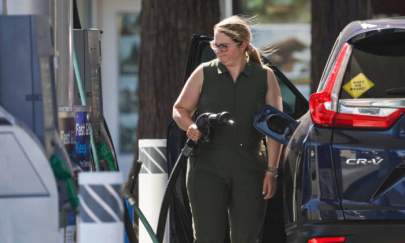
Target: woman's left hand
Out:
[269,185]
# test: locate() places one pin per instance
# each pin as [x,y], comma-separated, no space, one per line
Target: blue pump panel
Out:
[21,44]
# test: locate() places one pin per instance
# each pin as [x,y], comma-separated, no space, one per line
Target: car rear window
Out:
[376,68]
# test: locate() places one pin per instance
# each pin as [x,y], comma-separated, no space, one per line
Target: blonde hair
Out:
[238,29]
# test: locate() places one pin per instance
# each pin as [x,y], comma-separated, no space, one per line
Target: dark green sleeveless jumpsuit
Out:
[225,176]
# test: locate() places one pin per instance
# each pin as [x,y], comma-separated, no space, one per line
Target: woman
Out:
[228,178]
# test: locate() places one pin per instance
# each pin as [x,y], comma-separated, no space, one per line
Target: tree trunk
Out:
[236,7]
[328,19]
[166,31]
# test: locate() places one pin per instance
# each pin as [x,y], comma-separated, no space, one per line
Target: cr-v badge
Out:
[364,161]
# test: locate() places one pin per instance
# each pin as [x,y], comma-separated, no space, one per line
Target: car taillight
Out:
[320,104]
[320,108]
[339,239]
[324,108]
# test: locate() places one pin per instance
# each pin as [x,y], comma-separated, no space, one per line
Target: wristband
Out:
[272,170]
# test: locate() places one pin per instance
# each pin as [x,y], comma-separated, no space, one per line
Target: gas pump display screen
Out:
[18,177]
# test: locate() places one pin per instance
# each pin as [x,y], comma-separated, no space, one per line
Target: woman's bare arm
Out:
[186,103]
[273,98]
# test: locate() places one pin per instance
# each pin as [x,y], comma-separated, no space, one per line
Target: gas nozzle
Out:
[207,122]
[223,118]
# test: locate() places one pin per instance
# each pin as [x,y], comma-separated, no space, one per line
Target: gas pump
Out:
[88,57]
[30,144]
[47,133]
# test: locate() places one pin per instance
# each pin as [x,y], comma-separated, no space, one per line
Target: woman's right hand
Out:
[193,133]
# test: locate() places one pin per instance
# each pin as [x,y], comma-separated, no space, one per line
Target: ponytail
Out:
[254,54]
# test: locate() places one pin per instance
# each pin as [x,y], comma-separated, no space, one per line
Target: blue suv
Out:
[344,161]
[343,167]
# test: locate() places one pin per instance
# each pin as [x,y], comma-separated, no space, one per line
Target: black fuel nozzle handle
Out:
[211,120]
[220,119]
[206,122]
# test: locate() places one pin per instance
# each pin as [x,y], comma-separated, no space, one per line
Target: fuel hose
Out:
[129,200]
[105,154]
[62,173]
[178,167]
[142,218]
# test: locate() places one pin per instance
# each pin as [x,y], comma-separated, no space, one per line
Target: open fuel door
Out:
[280,125]
[275,124]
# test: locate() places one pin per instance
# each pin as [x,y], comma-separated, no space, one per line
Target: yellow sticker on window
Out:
[358,85]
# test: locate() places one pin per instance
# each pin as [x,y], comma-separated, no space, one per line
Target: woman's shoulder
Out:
[271,77]
[210,67]
[204,65]
[261,71]
[205,68]
[211,63]
[265,68]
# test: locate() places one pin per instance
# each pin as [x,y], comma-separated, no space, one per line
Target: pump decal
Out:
[358,85]
[153,160]
[100,203]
